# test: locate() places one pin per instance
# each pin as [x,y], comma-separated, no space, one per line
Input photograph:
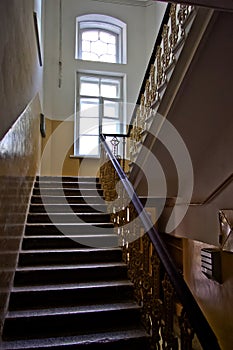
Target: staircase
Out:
[71,289]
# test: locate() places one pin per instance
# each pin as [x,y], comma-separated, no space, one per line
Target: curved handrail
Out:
[198,321]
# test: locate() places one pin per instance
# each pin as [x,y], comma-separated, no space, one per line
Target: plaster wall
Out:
[201,113]
[214,299]
[19,162]
[143,21]
[21,74]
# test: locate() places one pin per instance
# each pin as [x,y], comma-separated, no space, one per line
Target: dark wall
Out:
[20,72]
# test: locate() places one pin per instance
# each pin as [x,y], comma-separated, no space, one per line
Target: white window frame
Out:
[108,24]
[120,99]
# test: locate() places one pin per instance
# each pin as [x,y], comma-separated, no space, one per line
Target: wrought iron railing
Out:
[168,47]
[173,32]
[169,311]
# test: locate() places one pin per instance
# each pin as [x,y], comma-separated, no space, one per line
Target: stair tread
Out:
[70,267]
[71,250]
[93,338]
[70,224]
[83,309]
[67,286]
[68,214]
[64,197]
[72,237]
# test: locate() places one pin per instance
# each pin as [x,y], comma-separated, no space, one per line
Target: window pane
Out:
[111,109]
[109,90]
[108,58]
[90,35]
[89,126]
[107,38]
[99,48]
[89,145]
[89,56]
[89,88]
[110,127]
[89,108]
[86,46]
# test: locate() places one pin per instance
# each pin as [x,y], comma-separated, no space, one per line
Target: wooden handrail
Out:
[197,320]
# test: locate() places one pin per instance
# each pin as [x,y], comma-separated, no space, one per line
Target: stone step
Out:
[37,275]
[68,256]
[66,184]
[68,217]
[117,339]
[62,295]
[68,229]
[64,208]
[67,179]
[61,191]
[49,199]
[70,320]
[65,242]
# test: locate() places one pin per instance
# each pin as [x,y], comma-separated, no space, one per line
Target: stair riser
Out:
[68,324]
[35,259]
[67,179]
[141,343]
[68,199]
[50,229]
[71,218]
[54,184]
[35,277]
[69,297]
[63,242]
[64,208]
[67,192]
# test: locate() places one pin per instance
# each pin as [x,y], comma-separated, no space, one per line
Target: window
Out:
[98,110]
[100,38]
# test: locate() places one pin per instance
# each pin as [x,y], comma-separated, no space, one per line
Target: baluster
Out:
[156,315]
[147,93]
[141,119]
[169,341]
[182,16]
[115,142]
[166,49]
[174,27]
[146,283]
[186,332]
[135,268]
[152,84]
[159,78]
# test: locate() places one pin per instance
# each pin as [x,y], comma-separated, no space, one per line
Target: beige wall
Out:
[21,75]
[19,161]
[20,82]
[57,147]
[215,299]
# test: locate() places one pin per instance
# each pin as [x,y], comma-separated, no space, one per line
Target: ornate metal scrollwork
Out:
[170,341]
[182,16]
[174,26]
[159,77]
[186,332]
[166,49]
[152,84]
